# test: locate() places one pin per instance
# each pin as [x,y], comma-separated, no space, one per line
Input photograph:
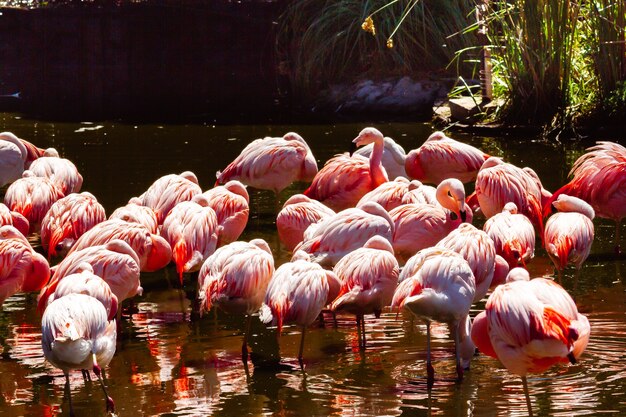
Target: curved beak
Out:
[463,215]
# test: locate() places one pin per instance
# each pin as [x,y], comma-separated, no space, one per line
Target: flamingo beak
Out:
[463,215]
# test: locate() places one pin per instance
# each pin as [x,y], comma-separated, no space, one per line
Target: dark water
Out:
[169,362]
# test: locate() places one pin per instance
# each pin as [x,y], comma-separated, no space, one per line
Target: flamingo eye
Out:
[449,193]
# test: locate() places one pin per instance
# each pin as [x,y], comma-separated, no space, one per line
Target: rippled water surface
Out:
[171,362]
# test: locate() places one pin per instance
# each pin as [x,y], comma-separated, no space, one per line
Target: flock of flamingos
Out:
[361,241]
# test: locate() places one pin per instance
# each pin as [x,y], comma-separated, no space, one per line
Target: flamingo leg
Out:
[69,393]
[301,347]
[429,366]
[86,375]
[110,405]
[618,249]
[530,408]
[363,330]
[459,368]
[244,346]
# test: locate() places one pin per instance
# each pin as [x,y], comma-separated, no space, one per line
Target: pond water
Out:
[171,362]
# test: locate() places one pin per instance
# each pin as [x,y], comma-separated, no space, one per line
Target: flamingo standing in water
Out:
[530,326]
[297,293]
[599,178]
[231,205]
[153,251]
[369,276]
[297,214]
[12,158]
[441,157]
[437,284]
[418,226]
[393,158]
[392,194]
[272,163]
[32,197]
[191,230]
[513,235]
[67,220]
[13,218]
[62,172]
[344,179]
[168,191]
[21,268]
[235,279]
[335,236]
[76,334]
[569,233]
[134,213]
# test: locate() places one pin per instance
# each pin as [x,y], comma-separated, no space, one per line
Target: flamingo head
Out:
[518,274]
[160,254]
[238,188]
[451,195]
[38,275]
[367,136]
[566,203]
[438,135]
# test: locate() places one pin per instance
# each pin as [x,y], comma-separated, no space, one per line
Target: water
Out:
[170,362]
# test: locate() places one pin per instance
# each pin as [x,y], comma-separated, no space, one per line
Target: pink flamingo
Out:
[479,251]
[32,197]
[393,158]
[297,214]
[418,226]
[13,218]
[62,172]
[297,293]
[530,326]
[272,163]
[231,205]
[153,251]
[392,194]
[9,232]
[369,276]
[168,191]
[67,220]
[441,157]
[12,158]
[235,279]
[86,282]
[344,179]
[191,230]
[134,213]
[21,268]
[598,177]
[76,334]
[116,263]
[499,183]
[335,236]
[569,233]
[513,235]
[437,284]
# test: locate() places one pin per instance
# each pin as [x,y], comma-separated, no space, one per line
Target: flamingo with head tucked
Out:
[62,172]
[530,326]
[344,179]
[272,163]
[441,157]
[297,214]
[513,235]
[393,158]
[231,205]
[21,268]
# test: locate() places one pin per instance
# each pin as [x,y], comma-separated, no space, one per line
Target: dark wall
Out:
[140,61]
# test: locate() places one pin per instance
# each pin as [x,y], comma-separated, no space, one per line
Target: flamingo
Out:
[13,218]
[135,213]
[86,282]
[153,251]
[393,158]
[297,293]
[272,163]
[62,172]
[76,334]
[235,279]
[569,233]
[168,191]
[297,214]
[513,235]
[599,178]
[12,158]
[67,220]
[32,197]
[418,226]
[335,236]
[344,179]
[191,230]
[21,268]
[437,284]
[369,276]
[441,157]
[499,183]
[392,194]
[116,263]
[479,251]
[231,205]
[530,326]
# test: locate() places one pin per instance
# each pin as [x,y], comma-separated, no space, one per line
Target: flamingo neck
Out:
[377,171]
